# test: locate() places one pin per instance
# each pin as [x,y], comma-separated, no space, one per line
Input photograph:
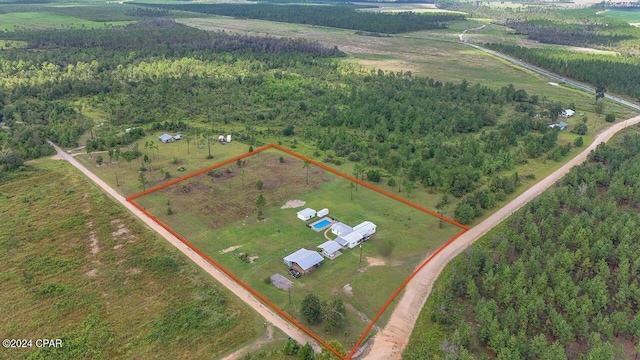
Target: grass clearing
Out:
[43,20]
[78,267]
[217,214]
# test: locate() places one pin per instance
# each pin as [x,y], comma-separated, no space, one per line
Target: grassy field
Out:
[43,20]
[123,176]
[630,16]
[78,267]
[218,216]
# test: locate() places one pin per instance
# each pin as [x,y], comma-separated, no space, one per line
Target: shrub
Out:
[391,182]
[281,160]
[259,184]
[143,168]
[167,175]
[182,168]
[291,347]
[99,160]
[267,280]
[250,148]
[581,129]
[312,309]
[169,211]
[373,175]
[610,117]
[578,142]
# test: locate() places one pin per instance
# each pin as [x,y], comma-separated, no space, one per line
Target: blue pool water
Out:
[322,224]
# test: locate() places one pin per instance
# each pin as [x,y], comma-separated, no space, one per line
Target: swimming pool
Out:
[321,224]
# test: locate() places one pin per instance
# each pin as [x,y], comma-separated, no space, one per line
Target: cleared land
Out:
[77,266]
[217,214]
[41,20]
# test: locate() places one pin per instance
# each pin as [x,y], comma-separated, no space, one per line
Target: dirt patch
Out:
[92,273]
[372,262]
[133,271]
[375,261]
[230,249]
[93,242]
[292,204]
[281,282]
[252,258]
[348,290]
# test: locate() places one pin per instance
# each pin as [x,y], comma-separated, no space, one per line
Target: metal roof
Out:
[304,258]
[341,228]
[330,246]
[307,212]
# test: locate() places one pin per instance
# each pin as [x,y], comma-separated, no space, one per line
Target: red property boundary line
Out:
[261,297]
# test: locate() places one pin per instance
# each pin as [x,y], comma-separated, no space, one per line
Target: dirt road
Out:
[390,343]
[233,286]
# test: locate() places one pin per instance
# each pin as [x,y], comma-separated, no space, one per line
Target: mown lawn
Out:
[78,267]
[217,214]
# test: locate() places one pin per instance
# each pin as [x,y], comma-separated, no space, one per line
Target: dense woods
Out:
[559,280]
[461,139]
[339,16]
[586,34]
[620,74]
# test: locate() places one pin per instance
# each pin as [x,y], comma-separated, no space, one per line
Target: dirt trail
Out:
[390,343]
[234,287]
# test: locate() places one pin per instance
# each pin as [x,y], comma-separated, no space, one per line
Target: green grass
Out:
[630,16]
[77,266]
[192,157]
[216,214]
[43,20]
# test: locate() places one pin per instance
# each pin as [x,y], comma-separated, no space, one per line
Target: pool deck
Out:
[330,220]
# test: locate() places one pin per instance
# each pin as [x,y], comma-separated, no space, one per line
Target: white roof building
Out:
[366,228]
[341,229]
[351,240]
[330,249]
[323,212]
[306,214]
[304,259]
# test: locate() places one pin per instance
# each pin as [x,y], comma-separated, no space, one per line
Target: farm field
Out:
[42,20]
[215,211]
[78,267]
[630,16]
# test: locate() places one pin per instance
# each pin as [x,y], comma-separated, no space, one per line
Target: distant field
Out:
[41,20]
[217,214]
[79,267]
[630,16]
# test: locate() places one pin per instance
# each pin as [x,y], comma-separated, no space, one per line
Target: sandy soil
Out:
[269,314]
[390,343]
[230,249]
[292,204]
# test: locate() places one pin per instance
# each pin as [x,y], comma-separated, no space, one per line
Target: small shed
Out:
[323,212]
[567,113]
[165,138]
[561,125]
[303,260]
[228,138]
[177,137]
[340,229]
[306,214]
[221,138]
[365,229]
[330,249]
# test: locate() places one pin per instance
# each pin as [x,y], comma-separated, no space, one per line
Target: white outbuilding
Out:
[228,138]
[306,214]
[323,212]
[330,249]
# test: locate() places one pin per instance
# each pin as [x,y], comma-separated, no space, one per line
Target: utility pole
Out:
[289,295]
[360,252]
[117,182]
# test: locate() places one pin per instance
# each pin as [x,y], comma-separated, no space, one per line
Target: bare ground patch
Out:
[292,204]
[281,282]
[230,249]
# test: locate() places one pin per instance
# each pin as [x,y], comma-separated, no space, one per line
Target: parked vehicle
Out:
[295,273]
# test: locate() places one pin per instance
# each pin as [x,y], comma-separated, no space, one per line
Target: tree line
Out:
[339,16]
[559,280]
[619,74]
